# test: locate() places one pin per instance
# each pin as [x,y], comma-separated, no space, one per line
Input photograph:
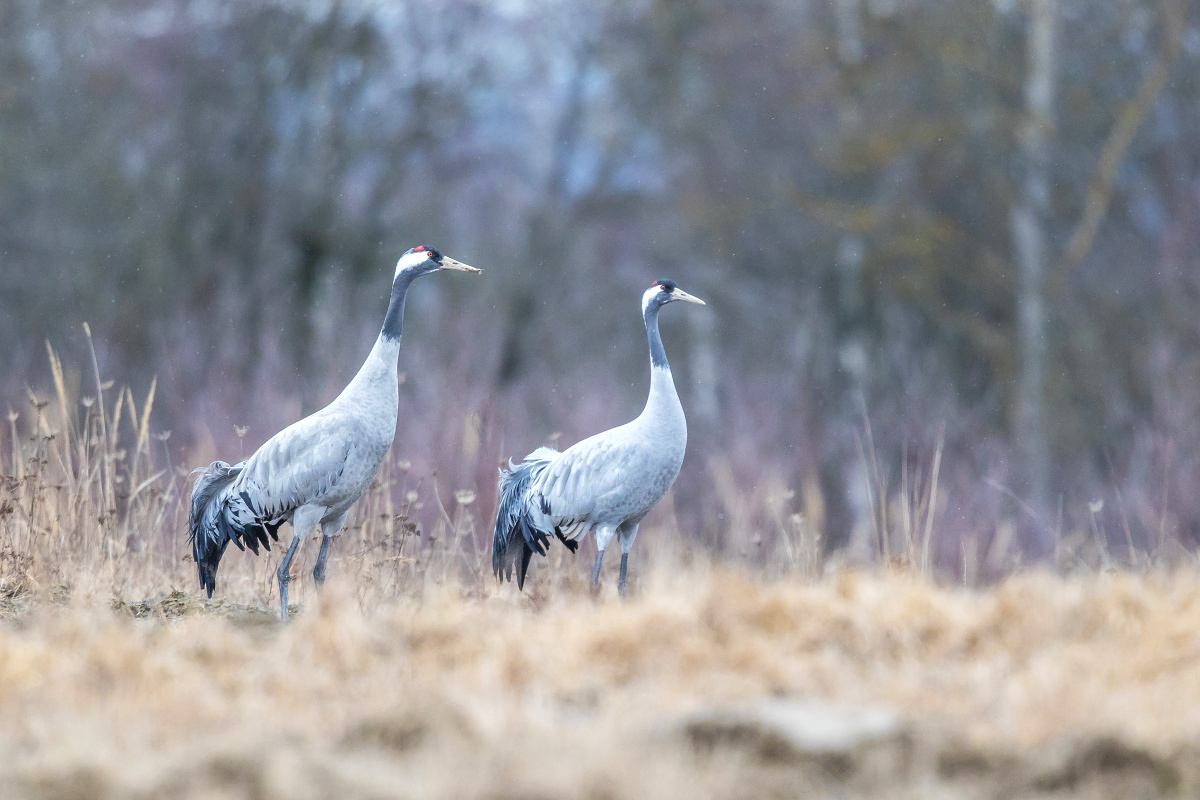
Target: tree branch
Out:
[1130,118]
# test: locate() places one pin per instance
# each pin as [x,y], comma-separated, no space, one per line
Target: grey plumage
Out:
[313,471]
[606,483]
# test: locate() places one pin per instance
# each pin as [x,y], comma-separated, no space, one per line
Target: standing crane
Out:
[607,482]
[314,470]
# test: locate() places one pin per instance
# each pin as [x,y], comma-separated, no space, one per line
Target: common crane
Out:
[605,483]
[314,470]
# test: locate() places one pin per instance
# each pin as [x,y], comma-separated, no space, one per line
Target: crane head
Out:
[422,260]
[665,291]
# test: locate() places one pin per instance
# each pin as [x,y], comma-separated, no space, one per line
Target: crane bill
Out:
[450,263]
[680,294]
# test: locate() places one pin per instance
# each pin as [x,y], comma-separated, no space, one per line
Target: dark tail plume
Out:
[521,527]
[218,517]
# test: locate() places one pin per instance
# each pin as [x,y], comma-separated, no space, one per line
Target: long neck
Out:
[379,371]
[662,386]
[395,312]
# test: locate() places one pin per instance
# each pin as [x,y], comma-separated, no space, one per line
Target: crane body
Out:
[606,483]
[312,472]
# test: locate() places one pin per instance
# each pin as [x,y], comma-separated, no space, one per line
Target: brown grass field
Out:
[415,675]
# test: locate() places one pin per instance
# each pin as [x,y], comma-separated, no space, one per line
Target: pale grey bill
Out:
[450,263]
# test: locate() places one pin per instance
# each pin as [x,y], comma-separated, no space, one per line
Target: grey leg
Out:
[604,535]
[285,575]
[596,572]
[304,522]
[328,529]
[319,569]
[625,536]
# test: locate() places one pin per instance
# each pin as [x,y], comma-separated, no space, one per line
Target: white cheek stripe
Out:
[411,260]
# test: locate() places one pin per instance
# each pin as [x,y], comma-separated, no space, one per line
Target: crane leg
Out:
[604,535]
[319,569]
[304,522]
[328,530]
[285,576]
[625,537]
[596,572]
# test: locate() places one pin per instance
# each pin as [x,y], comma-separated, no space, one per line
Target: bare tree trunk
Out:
[545,241]
[1030,249]
[849,30]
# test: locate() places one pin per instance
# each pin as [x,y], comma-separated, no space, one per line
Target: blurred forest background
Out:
[937,238]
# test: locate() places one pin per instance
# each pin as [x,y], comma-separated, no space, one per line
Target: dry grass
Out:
[414,675]
[1037,687]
